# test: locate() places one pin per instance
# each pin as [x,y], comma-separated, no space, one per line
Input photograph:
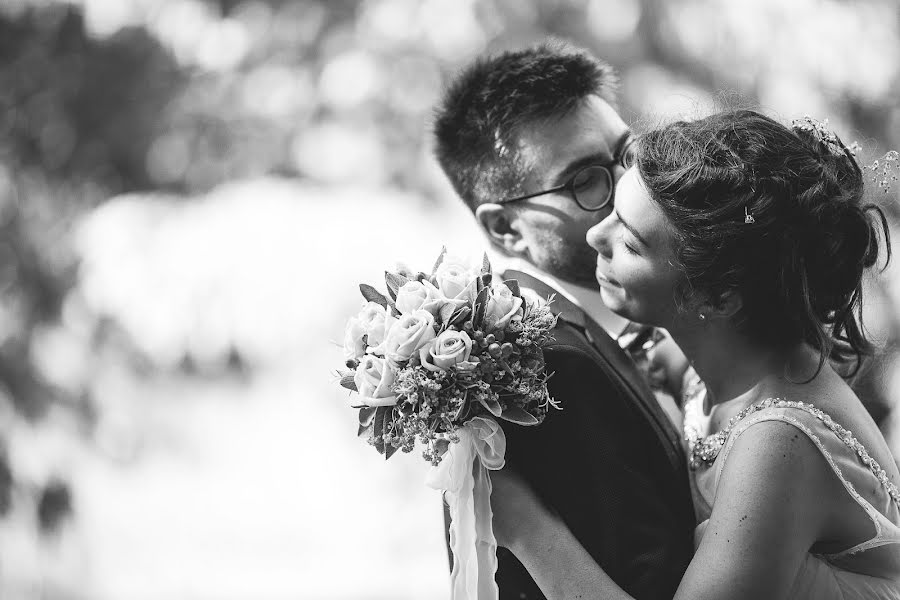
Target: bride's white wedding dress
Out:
[870,570]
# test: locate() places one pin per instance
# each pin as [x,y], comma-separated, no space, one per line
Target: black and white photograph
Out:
[449,299]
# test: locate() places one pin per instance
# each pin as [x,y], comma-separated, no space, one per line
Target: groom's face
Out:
[553,226]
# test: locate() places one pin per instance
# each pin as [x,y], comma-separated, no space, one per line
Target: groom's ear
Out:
[500,223]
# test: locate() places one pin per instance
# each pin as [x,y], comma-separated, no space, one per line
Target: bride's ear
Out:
[727,305]
[501,228]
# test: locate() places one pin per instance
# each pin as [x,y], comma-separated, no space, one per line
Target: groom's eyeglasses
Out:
[592,187]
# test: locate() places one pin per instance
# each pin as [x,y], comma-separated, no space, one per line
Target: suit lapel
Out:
[619,364]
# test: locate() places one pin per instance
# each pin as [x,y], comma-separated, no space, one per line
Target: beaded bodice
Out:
[868,570]
[702,451]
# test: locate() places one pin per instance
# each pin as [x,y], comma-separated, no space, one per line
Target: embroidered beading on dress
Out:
[704,450]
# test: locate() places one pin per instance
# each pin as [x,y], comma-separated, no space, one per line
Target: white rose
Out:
[376,320]
[354,342]
[501,307]
[374,379]
[456,280]
[448,349]
[415,295]
[407,335]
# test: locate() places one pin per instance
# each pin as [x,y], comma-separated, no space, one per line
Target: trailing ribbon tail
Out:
[463,475]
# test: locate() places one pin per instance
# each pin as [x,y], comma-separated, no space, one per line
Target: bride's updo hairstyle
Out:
[775,214]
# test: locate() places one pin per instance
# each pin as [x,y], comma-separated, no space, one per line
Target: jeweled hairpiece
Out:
[883,169]
[825,136]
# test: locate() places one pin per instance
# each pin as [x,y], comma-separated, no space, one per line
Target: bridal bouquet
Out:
[438,360]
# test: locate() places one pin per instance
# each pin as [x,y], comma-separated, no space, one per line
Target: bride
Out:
[748,242]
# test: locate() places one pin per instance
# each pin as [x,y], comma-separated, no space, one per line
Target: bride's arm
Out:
[773,500]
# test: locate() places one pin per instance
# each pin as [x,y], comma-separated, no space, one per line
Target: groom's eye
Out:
[588,179]
[629,153]
[592,187]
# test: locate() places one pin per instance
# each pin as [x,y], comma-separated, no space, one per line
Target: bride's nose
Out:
[598,236]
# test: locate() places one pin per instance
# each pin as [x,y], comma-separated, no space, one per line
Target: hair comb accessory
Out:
[748,218]
[883,170]
[825,136]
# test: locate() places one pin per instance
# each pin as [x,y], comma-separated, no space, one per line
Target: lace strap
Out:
[706,450]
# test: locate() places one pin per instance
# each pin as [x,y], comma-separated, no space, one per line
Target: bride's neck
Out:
[728,363]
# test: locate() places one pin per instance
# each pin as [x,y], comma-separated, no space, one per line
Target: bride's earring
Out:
[702,316]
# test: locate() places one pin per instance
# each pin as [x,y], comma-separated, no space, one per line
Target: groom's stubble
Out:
[555,225]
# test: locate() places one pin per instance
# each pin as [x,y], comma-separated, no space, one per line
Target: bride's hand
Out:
[516,508]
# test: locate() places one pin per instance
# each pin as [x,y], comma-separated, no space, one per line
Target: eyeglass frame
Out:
[621,152]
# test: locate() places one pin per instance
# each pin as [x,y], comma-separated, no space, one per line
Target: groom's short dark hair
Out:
[483,109]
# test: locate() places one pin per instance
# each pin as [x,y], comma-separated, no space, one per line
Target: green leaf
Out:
[367,415]
[365,431]
[513,286]
[480,306]
[440,259]
[349,382]
[486,279]
[394,282]
[389,450]
[486,265]
[441,447]
[514,414]
[460,316]
[446,313]
[493,406]
[373,295]
[378,426]
[387,426]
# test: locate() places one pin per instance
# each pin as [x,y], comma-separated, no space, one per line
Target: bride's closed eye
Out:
[629,247]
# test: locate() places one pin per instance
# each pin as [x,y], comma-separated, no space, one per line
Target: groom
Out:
[533,145]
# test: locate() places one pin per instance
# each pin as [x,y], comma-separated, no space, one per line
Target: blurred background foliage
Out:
[182,181]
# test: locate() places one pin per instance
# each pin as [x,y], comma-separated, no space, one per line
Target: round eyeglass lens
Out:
[592,187]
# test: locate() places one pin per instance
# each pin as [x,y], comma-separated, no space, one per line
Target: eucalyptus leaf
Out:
[388,420]
[493,406]
[513,286]
[394,282]
[441,447]
[460,316]
[367,415]
[440,259]
[378,426]
[365,431]
[446,313]
[480,306]
[389,450]
[519,415]
[486,265]
[349,382]
[373,295]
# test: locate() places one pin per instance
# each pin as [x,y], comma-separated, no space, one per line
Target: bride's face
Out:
[635,262]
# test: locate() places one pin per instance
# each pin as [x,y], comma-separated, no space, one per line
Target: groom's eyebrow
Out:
[592,159]
[633,231]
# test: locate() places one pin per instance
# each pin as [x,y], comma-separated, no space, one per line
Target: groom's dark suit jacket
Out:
[610,463]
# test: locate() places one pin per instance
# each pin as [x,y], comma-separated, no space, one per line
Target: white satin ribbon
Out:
[462,474]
